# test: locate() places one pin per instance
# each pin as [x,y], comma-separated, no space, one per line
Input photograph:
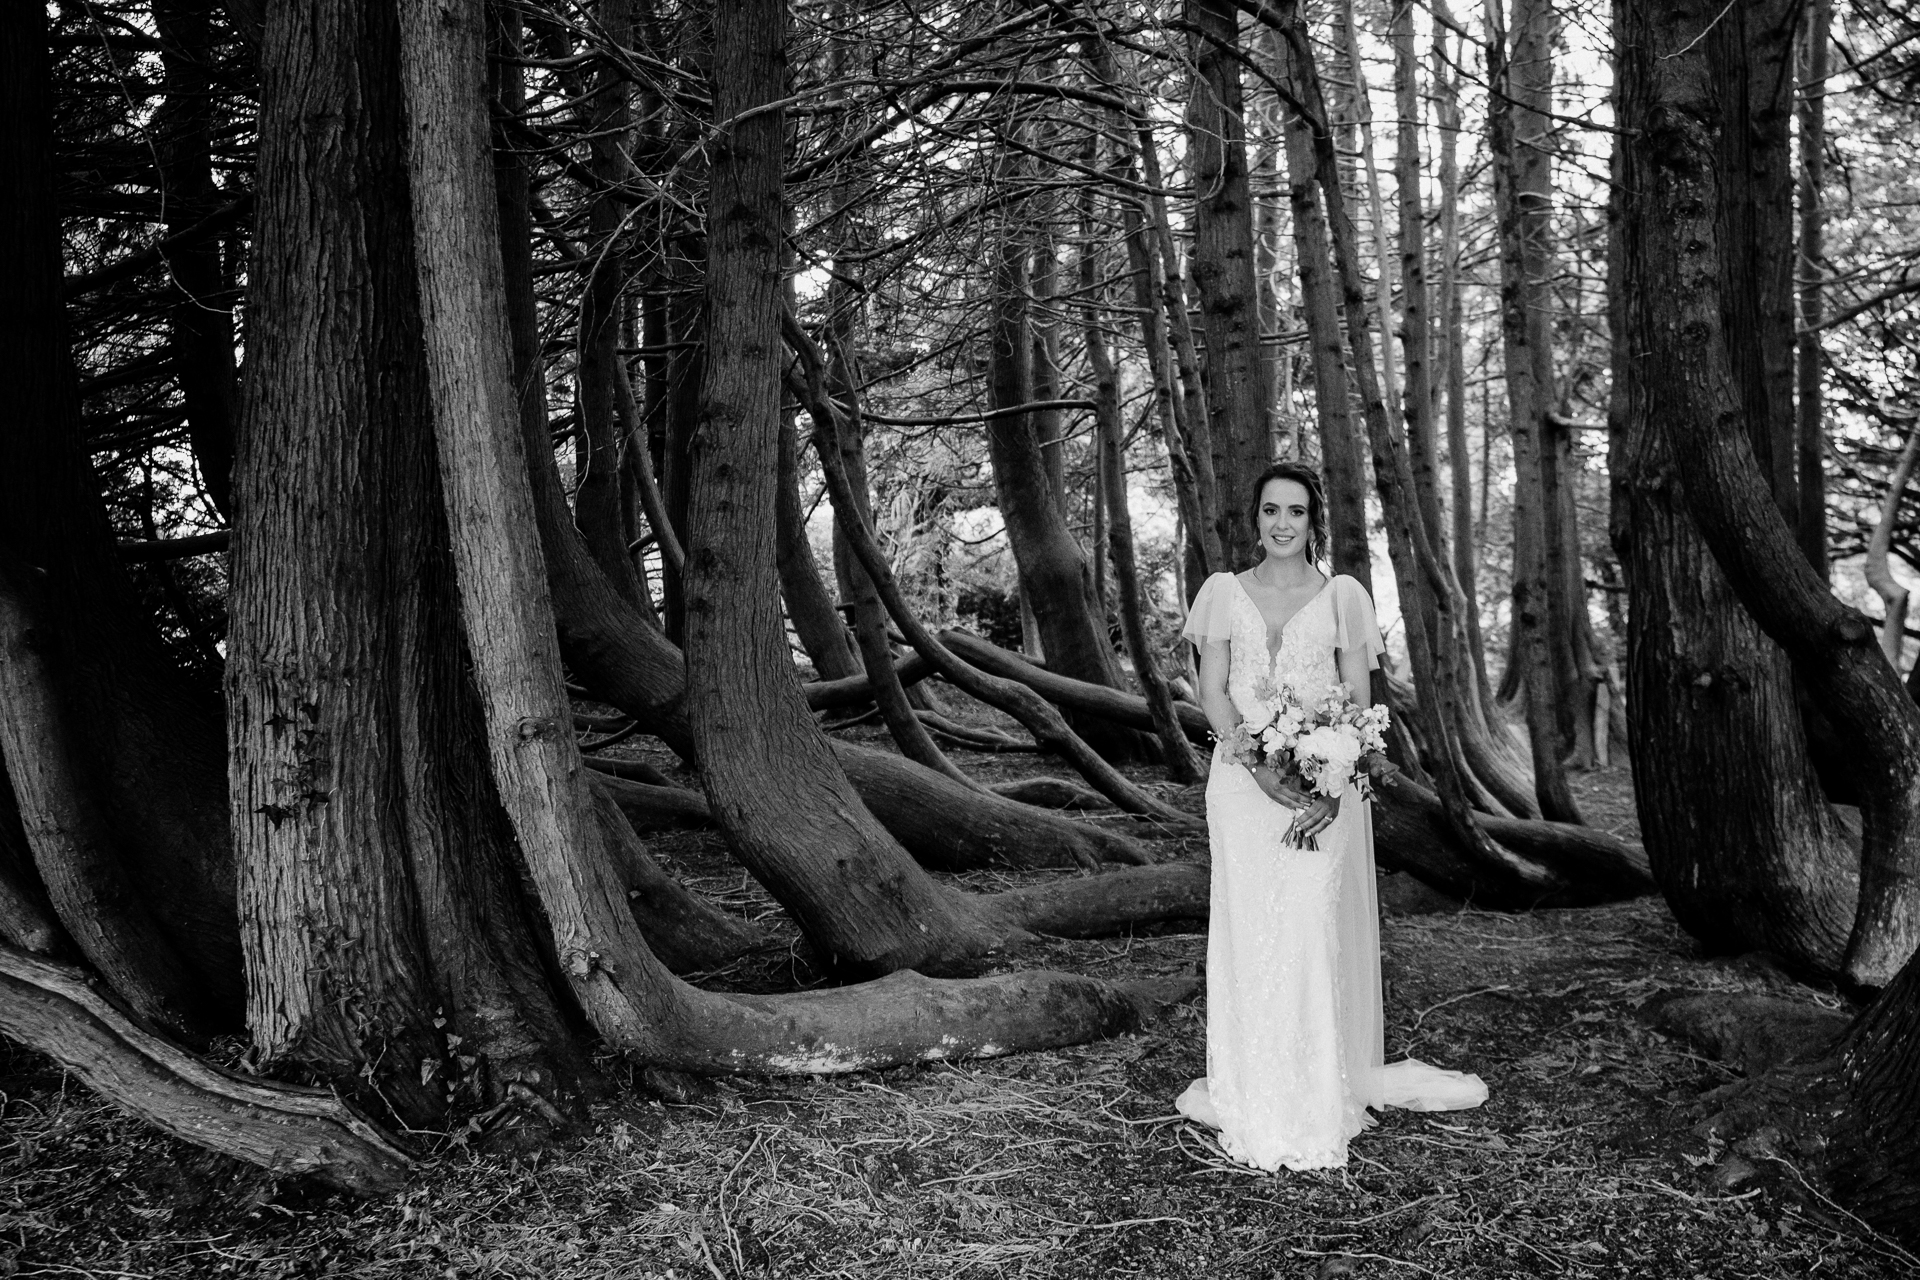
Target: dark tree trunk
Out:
[1238,376]
[1522,78]
[1810,427]
[200,321]
[378,877]
[286,1129]
[599,497]
[809,605]
[1693,412]
[1342,456]
[869,615]
[27,918]
[1453,329]
[811,841]
[1873,1161]
[1053,569]
[147,770]
[1182,765]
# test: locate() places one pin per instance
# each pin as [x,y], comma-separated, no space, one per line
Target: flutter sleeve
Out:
[1210,619]
[1354,626]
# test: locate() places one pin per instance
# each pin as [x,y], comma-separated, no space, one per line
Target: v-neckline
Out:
[1273,653]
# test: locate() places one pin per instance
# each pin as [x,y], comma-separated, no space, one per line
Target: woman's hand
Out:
[1281,793]
[1319,815]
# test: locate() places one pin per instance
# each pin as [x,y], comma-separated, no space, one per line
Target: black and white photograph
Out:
[930,640]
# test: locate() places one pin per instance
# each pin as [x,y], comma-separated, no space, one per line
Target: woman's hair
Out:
[1309,479]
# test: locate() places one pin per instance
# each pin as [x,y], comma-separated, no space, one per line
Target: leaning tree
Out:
[1728,609]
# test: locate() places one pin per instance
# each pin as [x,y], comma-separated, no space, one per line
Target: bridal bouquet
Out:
[1322,747]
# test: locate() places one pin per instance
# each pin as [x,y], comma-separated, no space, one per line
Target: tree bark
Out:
[1680,73]
[814,844]
[27,918]
[599,498]
[822,634]
[286,1129]
[1810,426]
[1052,568]
[1342,458]
[148,766]
[73,851]
[1237,375]
[200,323]
[388,950]
[1875,1146]
[869,615]
[1453,330]
[1175,752]
[1521,76]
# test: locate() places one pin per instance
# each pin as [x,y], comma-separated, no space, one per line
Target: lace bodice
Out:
[1305,661]
[1339,618]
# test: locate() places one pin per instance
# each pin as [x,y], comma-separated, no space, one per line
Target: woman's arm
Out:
[1223,716]
[1214,662]
[1356,675]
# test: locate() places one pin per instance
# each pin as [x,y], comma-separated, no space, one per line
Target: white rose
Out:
[1340,750]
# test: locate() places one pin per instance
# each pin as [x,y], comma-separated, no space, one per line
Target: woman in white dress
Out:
[1294,1044]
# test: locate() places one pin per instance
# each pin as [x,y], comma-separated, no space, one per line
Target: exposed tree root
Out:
[1052,793]
[1091,906]
[1077,696]
[283,1128]
[655,808]
[857,691]
[907,1017]
[953,828]
[1536,864]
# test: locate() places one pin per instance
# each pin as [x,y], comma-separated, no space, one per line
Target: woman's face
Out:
[1284,519]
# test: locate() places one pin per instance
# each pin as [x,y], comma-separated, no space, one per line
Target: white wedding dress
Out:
[1294,1040]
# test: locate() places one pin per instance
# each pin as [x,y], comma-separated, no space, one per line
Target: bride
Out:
[1294,1045]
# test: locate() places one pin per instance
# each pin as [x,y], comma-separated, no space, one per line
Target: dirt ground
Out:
[1584,1162]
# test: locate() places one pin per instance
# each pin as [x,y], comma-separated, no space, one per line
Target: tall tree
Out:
[1766,859]
[1237,374]
[1520,67]
[201,321]
[1810,425]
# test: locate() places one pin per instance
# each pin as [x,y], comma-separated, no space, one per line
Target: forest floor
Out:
[1062,1164]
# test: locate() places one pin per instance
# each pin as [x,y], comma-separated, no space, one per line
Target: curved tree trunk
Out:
[1689,411]
[1238,376]
[385,925]
[76,856]
[1873,1159]
[1183,765]
[286,1129]
[148,767]
[626,993]
[815,620]
[1053,569]
[27,918]
[1521,76]
[811,842]
[869,615]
